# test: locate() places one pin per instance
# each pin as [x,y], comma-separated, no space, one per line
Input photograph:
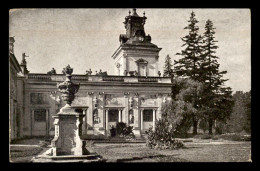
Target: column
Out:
[141,127]
[89,116]
[47,122]
[119,115]
[126,117]
[32,122]
[106,111]
[154,119]
[84,125]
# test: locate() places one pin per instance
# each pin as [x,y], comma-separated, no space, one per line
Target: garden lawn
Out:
[237,152]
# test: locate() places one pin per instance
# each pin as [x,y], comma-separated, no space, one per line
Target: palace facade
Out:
[134,95]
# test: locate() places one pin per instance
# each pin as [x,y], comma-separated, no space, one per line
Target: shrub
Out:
[235,137]
[203,124]
[162,137]
[247,138]
[215,138]
[43,143]
[113,131]
[122,130]
[205,136]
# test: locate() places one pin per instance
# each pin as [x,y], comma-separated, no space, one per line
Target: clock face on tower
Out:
[141,38]
[139,34]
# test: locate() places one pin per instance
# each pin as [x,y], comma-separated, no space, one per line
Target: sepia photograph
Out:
[129,85]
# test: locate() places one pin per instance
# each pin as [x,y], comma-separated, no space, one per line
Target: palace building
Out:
[134,95]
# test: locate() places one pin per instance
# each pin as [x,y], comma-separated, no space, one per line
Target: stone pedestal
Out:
[67,140]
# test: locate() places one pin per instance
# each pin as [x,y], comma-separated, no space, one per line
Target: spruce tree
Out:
[168,72]
[189,65]
[212,77]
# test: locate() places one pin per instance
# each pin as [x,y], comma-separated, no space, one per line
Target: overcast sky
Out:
[87,38]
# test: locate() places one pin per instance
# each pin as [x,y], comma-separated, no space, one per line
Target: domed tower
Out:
[136,54]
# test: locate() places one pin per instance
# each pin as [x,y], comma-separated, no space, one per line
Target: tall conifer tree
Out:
[167,72]
[217,97]
[189,65]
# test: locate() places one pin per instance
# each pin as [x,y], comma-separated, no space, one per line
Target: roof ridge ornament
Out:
[134,12]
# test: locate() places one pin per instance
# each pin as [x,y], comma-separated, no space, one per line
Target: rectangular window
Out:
[40,115]
[148,115]
[113,116]
[39,98]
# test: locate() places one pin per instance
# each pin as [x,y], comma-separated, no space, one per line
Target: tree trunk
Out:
[195,126]
[210,126]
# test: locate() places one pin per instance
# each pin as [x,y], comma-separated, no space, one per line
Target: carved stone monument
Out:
[67,143]
[68,121]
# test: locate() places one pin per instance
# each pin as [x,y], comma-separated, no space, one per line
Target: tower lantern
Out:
[136,54]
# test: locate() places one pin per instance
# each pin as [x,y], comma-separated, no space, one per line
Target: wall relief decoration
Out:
[114,100]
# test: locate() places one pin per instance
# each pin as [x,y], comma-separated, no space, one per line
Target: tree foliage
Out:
[168,71]
[183,110]
[217,98]
[200,63]
[189,64]
[240,119]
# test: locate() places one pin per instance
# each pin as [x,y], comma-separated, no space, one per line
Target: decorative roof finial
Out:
[68,70]
[129,12]
[144,13]
[134,12]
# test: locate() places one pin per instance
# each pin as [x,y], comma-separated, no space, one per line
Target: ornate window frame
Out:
[142,63]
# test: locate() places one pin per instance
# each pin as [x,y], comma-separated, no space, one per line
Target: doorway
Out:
[113,115]
[147,119]
[40,124]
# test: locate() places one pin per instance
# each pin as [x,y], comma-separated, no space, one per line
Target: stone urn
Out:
[67,88]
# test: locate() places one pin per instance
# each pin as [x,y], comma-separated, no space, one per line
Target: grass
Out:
[197,150]
[192,153]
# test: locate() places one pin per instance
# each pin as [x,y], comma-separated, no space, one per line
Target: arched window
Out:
[95,116]
[131,116]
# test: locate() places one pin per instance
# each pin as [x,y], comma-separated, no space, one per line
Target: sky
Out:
[87,38]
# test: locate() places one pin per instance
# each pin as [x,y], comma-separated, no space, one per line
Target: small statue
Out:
[23,58]
[53,71]
[125,73]
[88,72]
[159,73]
[135,73]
